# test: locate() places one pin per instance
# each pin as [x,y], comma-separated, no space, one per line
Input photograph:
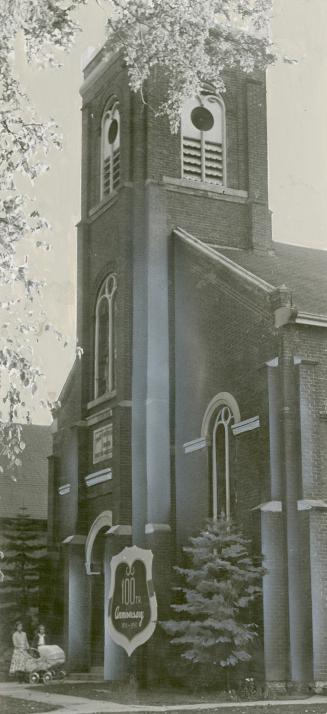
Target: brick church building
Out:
[203,384]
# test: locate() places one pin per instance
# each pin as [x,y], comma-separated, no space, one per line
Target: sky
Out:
[297,145]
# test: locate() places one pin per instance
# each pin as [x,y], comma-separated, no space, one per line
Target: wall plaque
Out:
[132,610]
[102,443]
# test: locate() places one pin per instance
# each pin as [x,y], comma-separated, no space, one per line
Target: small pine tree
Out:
[215,625]
[23,547]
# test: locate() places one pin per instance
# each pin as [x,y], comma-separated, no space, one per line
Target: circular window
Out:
[113,131]
[202,118]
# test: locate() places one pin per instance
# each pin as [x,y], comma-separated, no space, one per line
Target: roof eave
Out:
[279,297]
[243,274]
[310,319]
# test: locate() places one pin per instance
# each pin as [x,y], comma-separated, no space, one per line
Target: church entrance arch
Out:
[94,564]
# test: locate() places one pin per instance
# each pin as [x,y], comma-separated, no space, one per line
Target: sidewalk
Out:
[71,704]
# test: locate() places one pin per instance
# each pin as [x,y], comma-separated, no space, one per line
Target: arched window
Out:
[203,139]
[110,149]
[105,348]
[223,490]
[220,415]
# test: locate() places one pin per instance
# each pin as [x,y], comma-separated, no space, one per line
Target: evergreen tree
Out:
[23,547]
[214,626]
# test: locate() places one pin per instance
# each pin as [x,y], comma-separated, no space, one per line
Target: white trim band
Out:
[269,507]
[74,540]
[98,477]
[306,504]
[195,445]
[188,185]
[308,318]
[157,527]
[64,489]
[246,425]
[119,530]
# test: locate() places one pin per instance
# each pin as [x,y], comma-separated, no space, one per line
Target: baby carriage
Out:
[45,664]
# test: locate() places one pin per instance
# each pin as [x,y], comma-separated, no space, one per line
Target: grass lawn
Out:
[168,696]
[124,694]
[10,705]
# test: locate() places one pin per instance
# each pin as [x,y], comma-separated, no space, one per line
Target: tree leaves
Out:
[193,42]
[25,141]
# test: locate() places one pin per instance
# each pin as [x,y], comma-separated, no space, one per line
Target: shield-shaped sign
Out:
[132,608]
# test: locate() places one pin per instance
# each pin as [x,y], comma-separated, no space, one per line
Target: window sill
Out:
[103,205]
[106,202]
[100,400]
[205,189]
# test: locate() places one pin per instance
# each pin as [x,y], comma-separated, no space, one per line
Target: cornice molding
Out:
[199,188]
[98,477]
[310,319]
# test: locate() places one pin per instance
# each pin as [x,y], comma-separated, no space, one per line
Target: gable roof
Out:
[302,271]
[31,486]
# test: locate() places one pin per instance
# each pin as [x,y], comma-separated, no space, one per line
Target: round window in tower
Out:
[113,131]
[202,119]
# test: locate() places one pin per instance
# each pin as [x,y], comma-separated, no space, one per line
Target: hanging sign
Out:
[132,600]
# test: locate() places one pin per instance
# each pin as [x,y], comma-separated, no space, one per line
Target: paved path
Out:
[71,704]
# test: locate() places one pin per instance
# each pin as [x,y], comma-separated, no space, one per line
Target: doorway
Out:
[97,621]
[97,602]
[94,562]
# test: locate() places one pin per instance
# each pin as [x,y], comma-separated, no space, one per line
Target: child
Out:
[40,637]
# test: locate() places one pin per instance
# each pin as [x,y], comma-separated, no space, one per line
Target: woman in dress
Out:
[20,653]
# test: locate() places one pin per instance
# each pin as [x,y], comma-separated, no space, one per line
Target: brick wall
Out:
[213,219]
[309,344]
[161,162]
[221,345]
[109,231]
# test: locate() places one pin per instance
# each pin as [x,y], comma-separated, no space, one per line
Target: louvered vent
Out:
[214,169]
[116,169]
[203,165]
[106,176]
[192,164]
[111,182]
[202,129]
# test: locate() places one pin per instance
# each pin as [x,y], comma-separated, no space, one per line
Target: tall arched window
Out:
[110,149]
[223,489]
[105,348]
[220,415]
[203,139]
